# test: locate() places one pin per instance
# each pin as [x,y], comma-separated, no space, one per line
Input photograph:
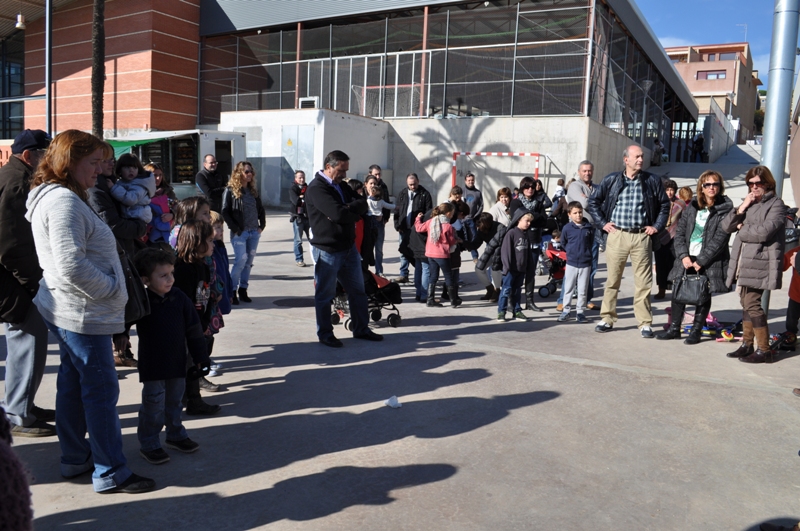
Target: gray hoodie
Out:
[83,286]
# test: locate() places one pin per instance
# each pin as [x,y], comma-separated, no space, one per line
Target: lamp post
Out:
[646,84]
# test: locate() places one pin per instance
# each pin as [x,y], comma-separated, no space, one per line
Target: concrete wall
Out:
[426,148]
[604,149]
[363,139]
[716,138]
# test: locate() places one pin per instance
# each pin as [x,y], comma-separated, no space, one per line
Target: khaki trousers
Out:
[619,246]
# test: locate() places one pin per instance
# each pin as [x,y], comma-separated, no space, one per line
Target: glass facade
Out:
[12,83]
[526,59]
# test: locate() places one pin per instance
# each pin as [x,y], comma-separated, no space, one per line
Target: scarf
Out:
[528,204]
[436,226]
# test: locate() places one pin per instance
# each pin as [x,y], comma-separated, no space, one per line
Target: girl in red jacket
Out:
[441,236]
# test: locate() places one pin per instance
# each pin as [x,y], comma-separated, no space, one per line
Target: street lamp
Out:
[646,84]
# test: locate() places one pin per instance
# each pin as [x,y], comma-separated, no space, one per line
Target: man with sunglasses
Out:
[26,332]
[631,206]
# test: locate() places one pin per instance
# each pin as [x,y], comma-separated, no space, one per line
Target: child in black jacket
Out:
[164,334]
[514,255]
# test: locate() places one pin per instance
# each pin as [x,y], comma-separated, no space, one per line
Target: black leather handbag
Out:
[692,289]
[138,304]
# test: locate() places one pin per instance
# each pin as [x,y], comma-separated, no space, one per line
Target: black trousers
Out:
[665,259]
[792,316]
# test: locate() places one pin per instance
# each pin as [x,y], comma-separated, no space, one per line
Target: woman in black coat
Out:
[701,247]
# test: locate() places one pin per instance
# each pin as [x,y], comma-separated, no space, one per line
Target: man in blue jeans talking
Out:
[333,210]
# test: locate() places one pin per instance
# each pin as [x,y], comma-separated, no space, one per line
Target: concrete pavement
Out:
[536,425]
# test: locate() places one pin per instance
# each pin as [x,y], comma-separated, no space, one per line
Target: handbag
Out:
[138,304]
[692,289]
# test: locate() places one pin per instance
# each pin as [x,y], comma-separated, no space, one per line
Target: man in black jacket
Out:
[631,206]
[410,202]
[211,183]
[333,210]
[26,333]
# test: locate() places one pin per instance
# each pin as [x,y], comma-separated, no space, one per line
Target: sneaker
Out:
[603,327]
[199,407]
[559,307]
[647,332]
[563,317]
[133,485]
[582,318]
[520,315]
[45,415]
[186,445]
[501,317]
[155,457]
[214,372]
[205,385]
[37,429]
[300,264]
[400,280]
[216,366]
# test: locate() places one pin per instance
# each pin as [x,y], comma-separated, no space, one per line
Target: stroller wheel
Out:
[544,291]
[348,323]
[394,320]
[376,315]
[335,318]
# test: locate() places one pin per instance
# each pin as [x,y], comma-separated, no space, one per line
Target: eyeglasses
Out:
[249,172]
[711,185]
[526,186]
[753,184]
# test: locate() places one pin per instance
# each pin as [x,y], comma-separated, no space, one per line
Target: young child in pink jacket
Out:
[441,236]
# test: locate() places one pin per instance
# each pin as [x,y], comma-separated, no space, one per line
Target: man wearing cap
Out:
[26,333]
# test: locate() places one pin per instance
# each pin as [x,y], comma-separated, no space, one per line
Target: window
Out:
[731,56]
[712,57]
[711,74]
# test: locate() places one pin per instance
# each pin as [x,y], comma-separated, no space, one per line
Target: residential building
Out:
[722,73]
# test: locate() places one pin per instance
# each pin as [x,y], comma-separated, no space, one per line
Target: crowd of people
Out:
[79,228]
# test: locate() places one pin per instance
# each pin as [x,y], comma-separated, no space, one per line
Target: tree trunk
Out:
[98,66]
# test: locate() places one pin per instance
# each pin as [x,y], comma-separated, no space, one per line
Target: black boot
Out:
[431,300]
[674,331]
[243,295]
[445,294]
[235,299]
[697,327]
[455,301]
[489,293]
[530,305]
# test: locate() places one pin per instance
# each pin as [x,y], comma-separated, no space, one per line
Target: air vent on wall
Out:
[309,103]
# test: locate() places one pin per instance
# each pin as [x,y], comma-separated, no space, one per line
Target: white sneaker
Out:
[216,366]
[214,372]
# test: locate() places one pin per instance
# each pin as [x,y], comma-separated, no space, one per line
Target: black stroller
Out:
[381,295]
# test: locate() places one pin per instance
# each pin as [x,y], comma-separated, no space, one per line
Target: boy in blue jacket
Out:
[164,335]
[577,238]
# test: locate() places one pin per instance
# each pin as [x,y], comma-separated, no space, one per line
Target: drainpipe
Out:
[781,74]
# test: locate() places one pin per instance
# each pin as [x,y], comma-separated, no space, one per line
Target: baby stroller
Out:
[381,295]
[556,260]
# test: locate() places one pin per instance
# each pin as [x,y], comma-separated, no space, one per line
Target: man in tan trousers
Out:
[631,207]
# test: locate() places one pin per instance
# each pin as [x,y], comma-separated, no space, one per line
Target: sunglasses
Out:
[249,172]
[754,184]
[711,185]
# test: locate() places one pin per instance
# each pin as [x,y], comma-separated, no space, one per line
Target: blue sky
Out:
[685,22]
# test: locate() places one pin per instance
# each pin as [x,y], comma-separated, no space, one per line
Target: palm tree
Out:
[98,66]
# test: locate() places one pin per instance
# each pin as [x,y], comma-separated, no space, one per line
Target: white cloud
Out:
[669,42]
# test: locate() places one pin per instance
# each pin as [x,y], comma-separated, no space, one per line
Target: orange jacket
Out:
[794,286]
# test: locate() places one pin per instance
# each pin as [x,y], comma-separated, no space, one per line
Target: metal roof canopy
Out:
[31,9]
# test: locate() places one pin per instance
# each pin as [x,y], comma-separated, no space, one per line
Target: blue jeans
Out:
[161,405]
[344,266]
[86,401]
[511,290]
[300,226]
[404,264]
[245,246]
[434,264]
[26,357]
[421,278]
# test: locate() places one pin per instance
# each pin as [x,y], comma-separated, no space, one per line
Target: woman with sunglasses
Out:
[701,247]
[243,212]
[756,259]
